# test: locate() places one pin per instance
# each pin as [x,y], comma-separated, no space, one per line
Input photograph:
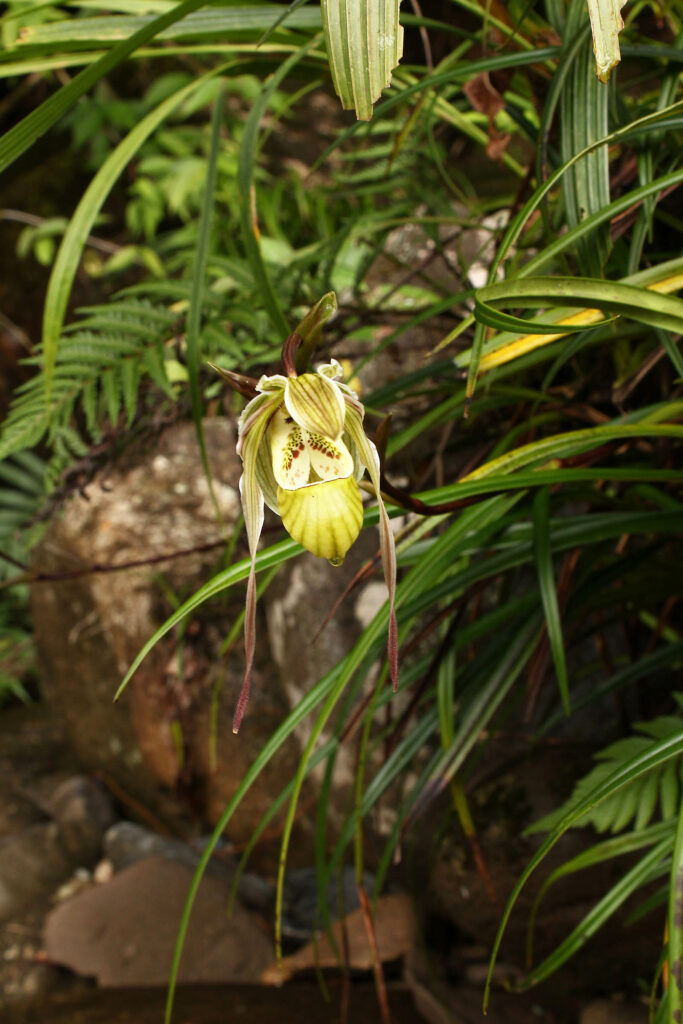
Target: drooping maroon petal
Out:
[370,459]
[249,648]
[253,425]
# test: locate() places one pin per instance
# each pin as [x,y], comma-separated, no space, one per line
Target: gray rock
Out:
[300,915]
[615,1011]
[32,864]
[394,928]
[127,843]
[83,811]
[296,605]
[123,932]
[156,744]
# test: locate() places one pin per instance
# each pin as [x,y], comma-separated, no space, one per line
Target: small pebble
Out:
[103,872]
[80,880]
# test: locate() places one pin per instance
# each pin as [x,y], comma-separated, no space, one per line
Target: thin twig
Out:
[380,985]
[71,574]
[34,220]
[429,62]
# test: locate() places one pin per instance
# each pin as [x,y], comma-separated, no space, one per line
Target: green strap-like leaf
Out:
[584,120]
[194,314]
[641,304]
[633,769]
[18,139]
[546,584]
[364,44]
[225,23]
[69,255]
[245,184]
[650,867]
[609,849]
[676,925]
[583,229]
[504,346]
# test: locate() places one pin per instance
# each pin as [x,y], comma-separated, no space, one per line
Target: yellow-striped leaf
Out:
[364,44]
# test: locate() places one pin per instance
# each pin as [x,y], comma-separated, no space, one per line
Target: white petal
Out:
[289,451]
[265,478]
[272,382]
[331,460]
[333,370]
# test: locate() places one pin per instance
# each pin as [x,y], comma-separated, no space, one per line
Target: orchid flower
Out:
[304,449]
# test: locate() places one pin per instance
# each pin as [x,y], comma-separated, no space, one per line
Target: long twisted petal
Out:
[370,459]
[253,425]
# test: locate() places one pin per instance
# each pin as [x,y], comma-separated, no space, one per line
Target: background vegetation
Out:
[540,562]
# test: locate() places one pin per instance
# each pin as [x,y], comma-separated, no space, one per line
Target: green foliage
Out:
[98,374]
[520,214]
[22,489]
[657,792]
[17,653]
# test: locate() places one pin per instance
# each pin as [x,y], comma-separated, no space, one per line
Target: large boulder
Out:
[166,749]
[123,932]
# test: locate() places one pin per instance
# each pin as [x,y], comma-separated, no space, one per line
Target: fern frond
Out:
[134,312]
[106,355]
[22,489]
[106,322]
[99,371]
[173,291]
[637,801]
[111,394]
[130,384]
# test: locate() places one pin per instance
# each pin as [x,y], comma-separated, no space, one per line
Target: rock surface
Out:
[156,746]
[394,929]
[300,916]
[615,1011]
[166,749]
[32,863]
[123,932]
[218,1004]
[42,844]
[303,647]
[83,812]
[126,843]
[46,831]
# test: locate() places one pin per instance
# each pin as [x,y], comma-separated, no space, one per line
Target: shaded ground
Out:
[303,1001]
[218,1004]
[443,986]
[33,760]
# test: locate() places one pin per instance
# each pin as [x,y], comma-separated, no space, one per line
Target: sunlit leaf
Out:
[606,24]
[364,43]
